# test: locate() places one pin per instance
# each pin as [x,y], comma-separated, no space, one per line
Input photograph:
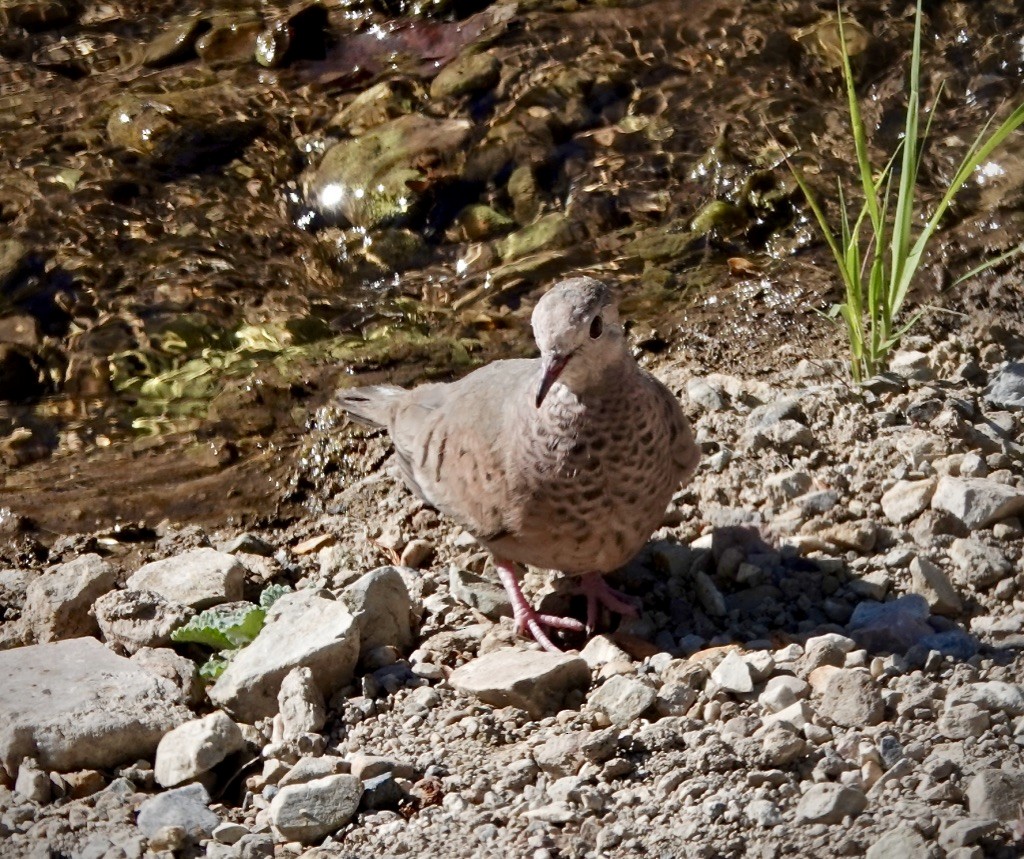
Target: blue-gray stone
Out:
[186,807]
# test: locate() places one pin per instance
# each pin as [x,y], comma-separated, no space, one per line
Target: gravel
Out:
[827,663]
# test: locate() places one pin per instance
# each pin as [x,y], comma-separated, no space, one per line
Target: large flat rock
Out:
[74,705]
[531,680]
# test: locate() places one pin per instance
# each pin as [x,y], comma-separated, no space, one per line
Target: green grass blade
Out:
[978,152]
[978,269]
[860,138]
[903,220]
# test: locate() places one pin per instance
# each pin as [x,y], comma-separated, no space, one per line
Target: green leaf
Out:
[223,628]
[215,665]
[272,593]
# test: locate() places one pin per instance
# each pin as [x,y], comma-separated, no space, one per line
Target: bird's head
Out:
[576,325]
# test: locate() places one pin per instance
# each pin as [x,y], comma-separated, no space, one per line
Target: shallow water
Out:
[183,280]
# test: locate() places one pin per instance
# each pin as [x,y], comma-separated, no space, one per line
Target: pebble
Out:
[308,769]
[830,803]
[382,608]
[929,580]
[32,782]
[486,596]
[901,843]
[892,626]
[132,620]
[852,699]
[782,691]
[979,565]
[308,811]
[470,73]
[229,833]
[960,721]
[196,747]
[996,696]
[977,502]
[379,792]
[1006,389]
[907,499]
[733,674]
[622,698]
[185,807]
[301,704]
[532,681]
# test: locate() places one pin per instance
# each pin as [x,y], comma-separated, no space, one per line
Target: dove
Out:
[565,462]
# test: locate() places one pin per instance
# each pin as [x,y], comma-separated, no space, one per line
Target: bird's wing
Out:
[453,442]
[684,448]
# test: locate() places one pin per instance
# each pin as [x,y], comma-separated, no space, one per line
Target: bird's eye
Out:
[596,327]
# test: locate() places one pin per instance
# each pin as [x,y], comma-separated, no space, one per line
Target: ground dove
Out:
[565,462]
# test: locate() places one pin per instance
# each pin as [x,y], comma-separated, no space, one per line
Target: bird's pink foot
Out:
[527,619]
[599,592]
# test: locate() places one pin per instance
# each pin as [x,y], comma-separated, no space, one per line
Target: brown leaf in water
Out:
[421,47]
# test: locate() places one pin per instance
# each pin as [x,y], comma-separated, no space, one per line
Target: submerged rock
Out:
[381,177]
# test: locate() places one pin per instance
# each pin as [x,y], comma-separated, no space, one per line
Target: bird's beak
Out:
[552,366]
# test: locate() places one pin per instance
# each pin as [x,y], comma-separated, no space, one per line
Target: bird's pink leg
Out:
[526,618]
[597,590]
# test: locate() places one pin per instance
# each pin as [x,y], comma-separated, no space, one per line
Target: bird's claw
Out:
[599,592]
[528,621]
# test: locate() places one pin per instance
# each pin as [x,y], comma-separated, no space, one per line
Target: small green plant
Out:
[227,629]
[877,274]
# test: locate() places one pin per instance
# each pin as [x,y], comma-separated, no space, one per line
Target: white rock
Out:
[308,769]
[996,794]
[934,585]
[185,807]
[33,783]
[830,803]
[600,650]
[733,674]
[852,699]
[57,602]
[798,715]
[131,620]
[199,578]
[302,629]
[531,680]
[310,810]
[907,499]
[382,608]
[781,745]
[976,501]
[763,812]
[783,691]
[995,696]
[960,721]
[301,704]
[901,843]
[196,747]
[75,705]
[761,664]
[180,670]
[622,698]
[978,564]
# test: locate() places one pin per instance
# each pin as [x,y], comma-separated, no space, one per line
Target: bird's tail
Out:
[372,405]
